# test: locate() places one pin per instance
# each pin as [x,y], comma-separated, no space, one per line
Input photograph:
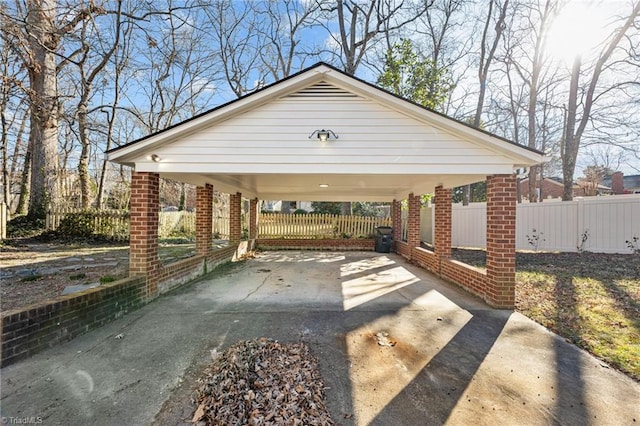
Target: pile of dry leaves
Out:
[262,382]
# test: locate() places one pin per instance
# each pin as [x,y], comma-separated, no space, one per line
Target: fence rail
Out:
[115,223]
[112,223]
[312,226]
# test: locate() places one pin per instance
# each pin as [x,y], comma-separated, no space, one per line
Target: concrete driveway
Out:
[455,361]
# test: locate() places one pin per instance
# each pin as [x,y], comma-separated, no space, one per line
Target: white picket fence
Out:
[273,225]
[606,223]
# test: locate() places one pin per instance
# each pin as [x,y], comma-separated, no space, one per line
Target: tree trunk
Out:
[345,208]
[572,136]
[43,134]
[83,162]
[5,159]
[25,184]
[569,146]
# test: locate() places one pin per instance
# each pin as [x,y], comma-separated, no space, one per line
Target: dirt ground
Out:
[35,271]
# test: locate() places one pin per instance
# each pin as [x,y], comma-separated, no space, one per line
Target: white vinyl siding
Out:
[277,135]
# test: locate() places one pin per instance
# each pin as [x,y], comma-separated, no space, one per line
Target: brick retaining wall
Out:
[31,329]
[39,326]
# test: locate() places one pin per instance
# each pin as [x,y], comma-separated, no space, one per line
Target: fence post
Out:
[580,221]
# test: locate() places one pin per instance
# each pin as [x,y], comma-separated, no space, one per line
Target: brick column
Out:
[396,218]
[204,219]
[442,232]
[143,228]
[413,225]
[235,216]
[501,240]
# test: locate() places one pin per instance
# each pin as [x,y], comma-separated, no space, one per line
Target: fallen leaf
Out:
[199,414]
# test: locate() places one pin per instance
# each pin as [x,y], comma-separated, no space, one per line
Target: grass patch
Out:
[79,276]
[107,279]
[591,299]
[31,278]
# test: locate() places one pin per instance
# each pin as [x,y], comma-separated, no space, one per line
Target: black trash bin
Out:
[384,236]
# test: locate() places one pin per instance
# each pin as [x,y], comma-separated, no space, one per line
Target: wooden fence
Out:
[111,223]
[273,225]
[176,223]
[115,223]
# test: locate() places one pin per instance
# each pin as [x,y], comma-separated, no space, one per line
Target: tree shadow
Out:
[448,374]
[570,405]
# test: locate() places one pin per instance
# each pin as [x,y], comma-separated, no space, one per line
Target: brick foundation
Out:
[312,244]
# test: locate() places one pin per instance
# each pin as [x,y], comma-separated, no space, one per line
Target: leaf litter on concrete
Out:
[262,382]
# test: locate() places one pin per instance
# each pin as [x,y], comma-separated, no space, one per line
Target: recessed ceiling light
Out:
[324,185]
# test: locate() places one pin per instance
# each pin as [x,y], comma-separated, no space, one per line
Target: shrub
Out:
[300,211]
[77,225]
[25,226]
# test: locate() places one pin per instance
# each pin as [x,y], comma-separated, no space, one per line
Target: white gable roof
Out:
[387,147]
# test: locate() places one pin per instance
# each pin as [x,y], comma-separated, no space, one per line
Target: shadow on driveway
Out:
[454,359]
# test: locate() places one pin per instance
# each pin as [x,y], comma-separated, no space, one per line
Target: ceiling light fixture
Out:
[323,135]
[324,185]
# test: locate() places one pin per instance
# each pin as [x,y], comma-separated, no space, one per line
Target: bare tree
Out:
[496,17]
[172,66]
[447,42]
[526,56]
[12,119]
[360,25]
[540,18]
[283,24]
[577,120]
[236,30]
[34,32]
[92,55]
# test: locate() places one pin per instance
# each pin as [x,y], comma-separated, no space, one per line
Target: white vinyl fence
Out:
[605,224]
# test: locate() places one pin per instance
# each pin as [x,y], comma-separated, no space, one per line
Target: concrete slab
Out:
[455,360]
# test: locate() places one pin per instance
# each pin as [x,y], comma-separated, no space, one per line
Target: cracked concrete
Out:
[454,359]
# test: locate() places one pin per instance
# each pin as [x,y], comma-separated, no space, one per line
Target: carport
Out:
[322,135]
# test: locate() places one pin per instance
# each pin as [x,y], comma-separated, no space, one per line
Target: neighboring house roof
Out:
[387,147]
